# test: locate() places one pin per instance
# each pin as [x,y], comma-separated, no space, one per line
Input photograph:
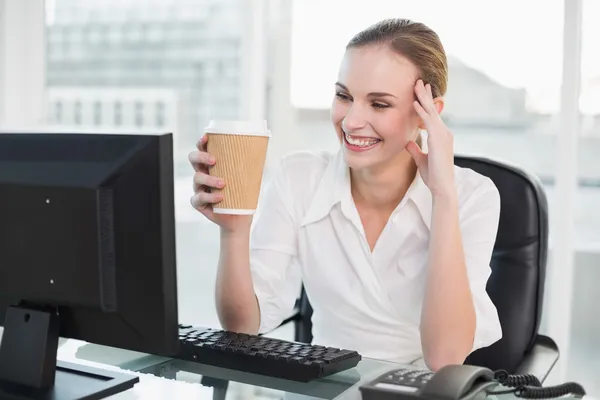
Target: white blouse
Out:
[308,229]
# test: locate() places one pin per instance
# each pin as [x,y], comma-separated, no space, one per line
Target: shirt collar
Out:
[334,188]
[420,195]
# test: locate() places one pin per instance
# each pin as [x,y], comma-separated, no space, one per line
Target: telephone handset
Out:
[453,382]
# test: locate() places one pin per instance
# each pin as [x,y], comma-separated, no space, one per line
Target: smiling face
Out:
[373,110]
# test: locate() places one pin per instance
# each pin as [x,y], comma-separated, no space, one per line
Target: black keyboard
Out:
[260,355]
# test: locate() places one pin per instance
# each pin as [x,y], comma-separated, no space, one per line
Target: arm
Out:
[448,316]
[457,313]
[253,289]
[237,306]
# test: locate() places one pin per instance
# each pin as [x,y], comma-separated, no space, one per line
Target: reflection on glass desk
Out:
[182,378]
[235,384]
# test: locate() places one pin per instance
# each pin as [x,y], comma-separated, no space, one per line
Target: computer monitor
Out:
[87,251]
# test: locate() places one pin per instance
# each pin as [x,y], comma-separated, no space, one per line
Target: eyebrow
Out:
[372,94]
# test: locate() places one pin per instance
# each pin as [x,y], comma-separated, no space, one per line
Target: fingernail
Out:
[221,183]
[212,160]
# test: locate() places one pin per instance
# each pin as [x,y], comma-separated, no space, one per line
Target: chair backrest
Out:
[516,284]
[303,324]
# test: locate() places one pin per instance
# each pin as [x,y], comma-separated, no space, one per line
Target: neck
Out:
[384,186]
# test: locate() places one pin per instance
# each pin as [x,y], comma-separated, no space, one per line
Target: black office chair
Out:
[516,285]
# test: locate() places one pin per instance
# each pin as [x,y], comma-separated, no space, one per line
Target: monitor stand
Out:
[29,369]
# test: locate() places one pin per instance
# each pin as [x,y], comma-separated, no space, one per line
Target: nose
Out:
[355,119]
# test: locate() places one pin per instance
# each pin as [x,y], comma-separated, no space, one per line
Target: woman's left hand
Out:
[437,165]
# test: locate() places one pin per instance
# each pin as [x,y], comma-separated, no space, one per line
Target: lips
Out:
[360,143]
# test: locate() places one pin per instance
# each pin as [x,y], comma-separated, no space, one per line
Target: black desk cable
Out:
[529,387]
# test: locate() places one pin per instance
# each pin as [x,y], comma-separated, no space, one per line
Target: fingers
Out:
[420,110]
[425,97]
[416,153]
[201,143]
[204,200]
[201,157]
[203,179]
[201,160]
[428,87]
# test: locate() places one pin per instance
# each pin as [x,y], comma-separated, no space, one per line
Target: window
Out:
[77,113]
[220,69]
[155,33]
[584,333]
[590,66]
[118,113]
[97,113]
[95,35]
[139,113]
[58,111]
[160,114]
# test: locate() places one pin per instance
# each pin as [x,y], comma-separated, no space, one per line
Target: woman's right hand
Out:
[203,199]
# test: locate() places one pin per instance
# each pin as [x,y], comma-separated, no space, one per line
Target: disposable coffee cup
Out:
[240,150]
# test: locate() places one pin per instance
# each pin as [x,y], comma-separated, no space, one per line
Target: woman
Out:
[392,244]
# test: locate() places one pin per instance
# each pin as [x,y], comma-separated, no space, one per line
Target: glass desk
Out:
[220,383]
[162,377]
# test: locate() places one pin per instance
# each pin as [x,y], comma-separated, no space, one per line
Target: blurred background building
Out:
[135,65]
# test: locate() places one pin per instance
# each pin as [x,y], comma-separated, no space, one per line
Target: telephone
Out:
[452,382]
[460,382]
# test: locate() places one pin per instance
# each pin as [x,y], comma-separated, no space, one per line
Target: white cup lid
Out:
[238,127]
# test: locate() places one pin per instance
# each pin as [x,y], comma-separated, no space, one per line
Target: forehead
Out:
[377,68]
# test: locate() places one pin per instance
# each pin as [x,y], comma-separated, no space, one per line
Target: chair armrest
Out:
[540,360]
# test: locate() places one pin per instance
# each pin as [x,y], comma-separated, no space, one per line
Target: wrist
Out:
[235,234]
[445,197]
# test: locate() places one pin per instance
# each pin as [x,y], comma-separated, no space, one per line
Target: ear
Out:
[439,104]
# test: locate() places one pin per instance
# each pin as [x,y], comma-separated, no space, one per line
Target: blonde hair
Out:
[415,41]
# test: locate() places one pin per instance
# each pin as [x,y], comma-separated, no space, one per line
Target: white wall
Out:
[22,63]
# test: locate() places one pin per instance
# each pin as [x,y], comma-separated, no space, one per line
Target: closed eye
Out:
[345,97]
[342,96]
[380,105]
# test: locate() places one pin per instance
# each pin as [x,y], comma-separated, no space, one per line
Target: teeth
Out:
[360,142]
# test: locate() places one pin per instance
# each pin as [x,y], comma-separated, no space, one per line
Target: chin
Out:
[366,160]
[359,161]
[374,159]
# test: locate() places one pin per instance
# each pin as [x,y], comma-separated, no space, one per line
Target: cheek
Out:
[338,112]
[394,126]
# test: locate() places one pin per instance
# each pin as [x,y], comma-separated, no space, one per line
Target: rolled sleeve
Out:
[273,252]
[479,227]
